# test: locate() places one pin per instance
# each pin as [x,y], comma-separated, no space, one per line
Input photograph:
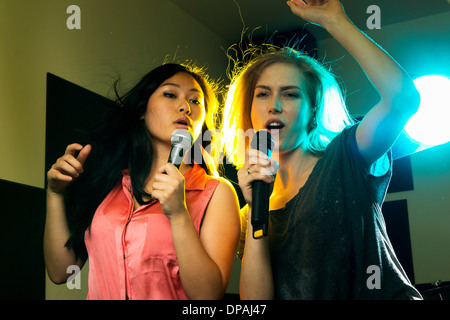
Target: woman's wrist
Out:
[336,21]
[180,217]
[54,194]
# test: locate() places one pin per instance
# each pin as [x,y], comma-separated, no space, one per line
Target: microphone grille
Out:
[181,138]
[262,141]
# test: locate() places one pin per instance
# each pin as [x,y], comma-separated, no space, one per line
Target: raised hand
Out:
[67,168]
[318,12]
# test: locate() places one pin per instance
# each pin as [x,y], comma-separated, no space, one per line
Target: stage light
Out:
[431,124]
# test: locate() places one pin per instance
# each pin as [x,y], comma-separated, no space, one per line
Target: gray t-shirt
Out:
[330,240]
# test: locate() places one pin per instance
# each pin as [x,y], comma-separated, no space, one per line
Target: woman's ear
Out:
[313,121]
[142,111]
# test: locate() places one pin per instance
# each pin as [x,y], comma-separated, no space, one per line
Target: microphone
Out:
[263,142]
[181,141]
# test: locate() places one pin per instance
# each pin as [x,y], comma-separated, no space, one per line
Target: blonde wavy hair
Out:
[329,113]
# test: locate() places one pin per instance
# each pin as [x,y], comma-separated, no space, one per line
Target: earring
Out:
[313,121]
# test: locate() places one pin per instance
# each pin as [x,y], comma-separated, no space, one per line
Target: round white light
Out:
[431,124]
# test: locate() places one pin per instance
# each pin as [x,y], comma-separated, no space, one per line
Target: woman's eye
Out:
[169,95]
[292,95]
[195,101]
[261,94]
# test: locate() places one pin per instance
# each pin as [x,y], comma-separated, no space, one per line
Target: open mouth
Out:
[274,125]
[184,122]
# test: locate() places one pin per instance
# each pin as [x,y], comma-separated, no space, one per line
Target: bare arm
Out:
[256,282]
[58,257]
[399,99]
[205,261]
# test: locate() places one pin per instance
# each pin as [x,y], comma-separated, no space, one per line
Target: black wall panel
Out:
[21,241]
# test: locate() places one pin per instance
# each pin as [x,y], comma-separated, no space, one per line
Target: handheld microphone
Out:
[262,141]
[181,141]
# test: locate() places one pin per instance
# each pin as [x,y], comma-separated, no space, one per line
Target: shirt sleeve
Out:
[378,175]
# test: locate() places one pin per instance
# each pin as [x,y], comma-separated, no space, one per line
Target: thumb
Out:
[168,169]
[297,7]
[84,153]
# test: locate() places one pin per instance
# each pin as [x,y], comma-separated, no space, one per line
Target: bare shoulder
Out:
[222,214]
[226,188]
[225,194]
[224,202]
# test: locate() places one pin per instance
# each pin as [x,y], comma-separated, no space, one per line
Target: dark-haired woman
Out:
[149,230]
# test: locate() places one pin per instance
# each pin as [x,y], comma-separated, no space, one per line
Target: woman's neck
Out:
[295,168]
[160,157]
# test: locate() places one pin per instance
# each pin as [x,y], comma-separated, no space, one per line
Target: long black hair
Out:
[123,142]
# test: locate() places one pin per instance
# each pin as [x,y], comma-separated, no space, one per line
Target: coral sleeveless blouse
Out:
[131,253]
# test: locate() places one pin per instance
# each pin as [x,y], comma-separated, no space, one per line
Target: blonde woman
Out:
[326,231]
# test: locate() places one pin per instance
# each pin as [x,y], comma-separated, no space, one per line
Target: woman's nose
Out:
[275,106]
[185,107]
